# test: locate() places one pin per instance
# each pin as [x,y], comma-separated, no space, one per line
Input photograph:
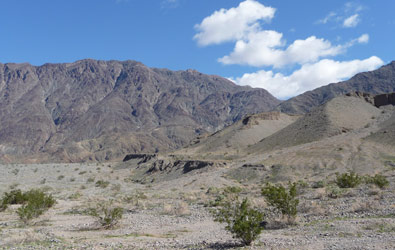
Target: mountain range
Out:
[101,110]
[93,110]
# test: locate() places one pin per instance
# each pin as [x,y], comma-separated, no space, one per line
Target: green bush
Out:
[107,215]
[284,200]
[242,221]
[34,203]
[229,194]
[318,184]
[102,184]
[348,180]
[14,197]
[333,191]
[90,179]
[233,189]
[379,180]
[3,206]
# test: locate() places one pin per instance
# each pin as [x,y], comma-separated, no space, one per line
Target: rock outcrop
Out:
[384,99]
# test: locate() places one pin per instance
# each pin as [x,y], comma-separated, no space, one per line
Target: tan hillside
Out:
[340,115]
[240,135]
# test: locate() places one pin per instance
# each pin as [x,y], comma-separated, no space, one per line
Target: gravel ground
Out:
[173,215]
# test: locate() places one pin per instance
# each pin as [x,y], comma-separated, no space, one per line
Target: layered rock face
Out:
[102,110]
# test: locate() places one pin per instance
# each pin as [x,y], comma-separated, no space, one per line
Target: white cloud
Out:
[308,77]
[342,15]
[268,48]
[258,50]
[328,17]
[263,49]
[351,21]
[232,24]
[363,39]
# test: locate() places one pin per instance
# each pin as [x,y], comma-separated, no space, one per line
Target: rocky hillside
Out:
[378,81]
[103,110]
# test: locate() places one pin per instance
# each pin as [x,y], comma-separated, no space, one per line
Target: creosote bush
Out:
[37,203]
[284,200]
[228,194]
[378,180]
[107,215]
[348,180]
[102,184]
[34,203]
[243,221]
[13,197]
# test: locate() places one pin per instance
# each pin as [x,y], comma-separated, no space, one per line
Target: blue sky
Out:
[286,46]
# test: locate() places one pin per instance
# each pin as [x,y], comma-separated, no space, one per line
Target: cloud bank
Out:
[308,77]
[257,47]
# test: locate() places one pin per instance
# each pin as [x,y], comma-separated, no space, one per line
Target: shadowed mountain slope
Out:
[378,81]
[104,109]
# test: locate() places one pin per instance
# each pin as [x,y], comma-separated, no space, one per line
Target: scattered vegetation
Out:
[13,197]
[243,221]
[90,180]
[228,194]
[34,203]
[107,215]
[318,184]
[348,180]
[283,199]
[351,180]
[378,180]
[102,184]
[334,192]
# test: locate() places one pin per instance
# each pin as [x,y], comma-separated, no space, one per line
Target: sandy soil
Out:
[172,214]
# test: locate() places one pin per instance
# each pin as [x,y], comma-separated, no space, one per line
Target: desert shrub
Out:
[35,203]
[243,221]
[3,206]
[90,179]
[14,197]
[334,192]
[60,177]
[378,180]
[228,194]
[233,189]
[283,199]
[107,215]
[302,184]
[102,184]
[348,180]
[318,184]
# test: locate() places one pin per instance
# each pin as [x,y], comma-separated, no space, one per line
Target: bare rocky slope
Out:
[102,110]
[339,115]
[233,139]
[379,81]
